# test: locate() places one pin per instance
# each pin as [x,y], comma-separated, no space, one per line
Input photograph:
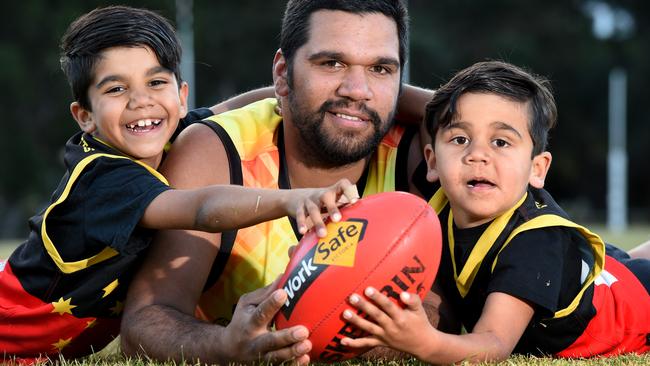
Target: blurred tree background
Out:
[234,46]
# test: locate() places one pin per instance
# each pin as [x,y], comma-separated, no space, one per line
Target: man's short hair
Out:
[295,24]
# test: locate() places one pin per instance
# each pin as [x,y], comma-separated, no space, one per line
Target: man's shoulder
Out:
[250,130]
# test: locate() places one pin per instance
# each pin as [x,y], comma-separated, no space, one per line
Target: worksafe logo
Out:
[337,248]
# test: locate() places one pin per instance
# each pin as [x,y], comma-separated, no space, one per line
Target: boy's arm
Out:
[501,325]
[218,208]
[158,317]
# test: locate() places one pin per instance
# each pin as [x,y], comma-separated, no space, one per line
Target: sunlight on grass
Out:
[633,236]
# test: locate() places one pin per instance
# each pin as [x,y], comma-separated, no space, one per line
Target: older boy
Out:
[522,277]
[62,291]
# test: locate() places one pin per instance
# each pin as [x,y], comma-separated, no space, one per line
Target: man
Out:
[337,78]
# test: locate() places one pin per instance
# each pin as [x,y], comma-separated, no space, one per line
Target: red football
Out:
[390,241]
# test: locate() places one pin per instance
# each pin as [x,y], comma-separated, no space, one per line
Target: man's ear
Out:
[430,158]
[280,70]
[83,117]
[541,165]
[183,92]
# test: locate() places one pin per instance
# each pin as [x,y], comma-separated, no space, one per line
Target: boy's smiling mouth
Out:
[143,125]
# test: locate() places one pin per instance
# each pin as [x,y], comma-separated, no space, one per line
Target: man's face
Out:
[345,83]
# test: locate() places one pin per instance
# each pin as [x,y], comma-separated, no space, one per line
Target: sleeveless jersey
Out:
[253,257]
[609,314]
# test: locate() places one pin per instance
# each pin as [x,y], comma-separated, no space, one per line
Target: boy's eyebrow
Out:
[504,126]
[499,125]
[340,56]
[107,79]
[158,69]
[117,77]
[456,124]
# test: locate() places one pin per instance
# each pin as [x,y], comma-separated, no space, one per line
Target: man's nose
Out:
[355,84]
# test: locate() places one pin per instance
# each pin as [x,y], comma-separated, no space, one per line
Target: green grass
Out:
[633,236]
[627,360]
[7,246]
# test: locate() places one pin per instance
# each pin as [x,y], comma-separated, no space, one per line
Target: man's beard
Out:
[320,150]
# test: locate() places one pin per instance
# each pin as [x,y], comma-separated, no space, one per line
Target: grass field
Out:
[627,360]
[627,240]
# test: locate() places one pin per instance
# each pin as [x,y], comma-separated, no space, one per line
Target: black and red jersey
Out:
[63,289]
[586,303]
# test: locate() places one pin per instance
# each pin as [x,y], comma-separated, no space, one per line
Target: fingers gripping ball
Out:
[391,241]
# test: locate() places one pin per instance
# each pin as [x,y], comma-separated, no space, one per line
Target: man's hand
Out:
[250,336]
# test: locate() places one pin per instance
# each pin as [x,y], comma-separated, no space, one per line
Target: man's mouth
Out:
[348,117]
[143,124]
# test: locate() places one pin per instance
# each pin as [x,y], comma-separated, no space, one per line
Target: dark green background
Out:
[234,46]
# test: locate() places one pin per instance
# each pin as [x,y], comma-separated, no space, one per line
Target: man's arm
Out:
[158,317]
[411,104]
[641,251]
[243,99]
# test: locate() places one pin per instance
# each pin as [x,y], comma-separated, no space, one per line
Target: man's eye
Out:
[332,64]
[383,70]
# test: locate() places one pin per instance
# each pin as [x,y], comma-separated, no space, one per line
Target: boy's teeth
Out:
[144,123]
[345,116]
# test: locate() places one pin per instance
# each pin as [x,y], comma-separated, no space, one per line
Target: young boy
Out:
[519,274]
[62,290]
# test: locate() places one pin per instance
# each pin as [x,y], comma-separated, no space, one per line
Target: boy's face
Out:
[136,103]
[483,158]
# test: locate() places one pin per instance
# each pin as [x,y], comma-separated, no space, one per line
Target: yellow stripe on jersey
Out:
[106,253]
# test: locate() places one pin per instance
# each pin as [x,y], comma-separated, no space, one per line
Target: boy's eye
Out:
[460,140]
[115,89]
[500,143]
[158,82]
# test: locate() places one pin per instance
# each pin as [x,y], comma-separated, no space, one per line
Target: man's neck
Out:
[302,175]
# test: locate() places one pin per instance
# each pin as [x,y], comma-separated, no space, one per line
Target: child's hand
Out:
[387,323]
[308,204]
